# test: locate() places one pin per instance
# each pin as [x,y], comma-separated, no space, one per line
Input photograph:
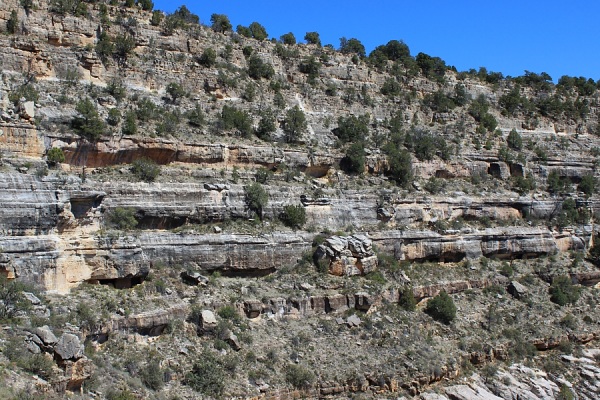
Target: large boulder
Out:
[45,335]
[69,347]
[347,255]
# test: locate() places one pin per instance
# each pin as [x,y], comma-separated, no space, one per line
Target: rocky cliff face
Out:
[331,259]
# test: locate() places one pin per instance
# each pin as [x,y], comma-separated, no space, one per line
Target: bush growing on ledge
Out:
[514,140]
[12,300]
[294,124]
[299,376]
[257,68]
[207,375]
[145,169]
[256,198]
[208,58]
[587,185]
[293,216]
[407,299]
[354,161]
[12,25]
[563,291]
[88,123]
[55,156]
[122,219]
[441,308]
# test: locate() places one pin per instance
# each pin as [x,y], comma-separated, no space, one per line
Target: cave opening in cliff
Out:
[247,273]
[154,222]
[81,206]
[119,283]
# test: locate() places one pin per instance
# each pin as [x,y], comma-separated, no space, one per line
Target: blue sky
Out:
[557,37]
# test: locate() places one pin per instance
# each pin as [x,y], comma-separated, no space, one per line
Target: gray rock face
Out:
[347,256]
[517,290]
[464,392]
[208,321]
[69,347]
[45,335]
[195,278]
[28,110]
[353,320]
[32,298]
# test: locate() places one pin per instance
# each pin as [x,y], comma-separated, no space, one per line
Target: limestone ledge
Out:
[62,262]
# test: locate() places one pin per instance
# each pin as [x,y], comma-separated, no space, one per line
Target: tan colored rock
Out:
[28,110]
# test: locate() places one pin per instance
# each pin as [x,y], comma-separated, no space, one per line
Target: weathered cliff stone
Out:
[150,323]
[492,242]
[69,347]
[347,256]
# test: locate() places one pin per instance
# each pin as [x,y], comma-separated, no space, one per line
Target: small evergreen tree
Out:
[88,123]
[146,5]
[12,25]
[294,124]
[407,299]
[258,31]
[256,198]
[130,124]
[293,216]
[514,140]
[352,46]
[313,38]
[354,161]
[175,91]
[563,291]
[587,185]
[122,219]
[145,169]
[288,38]
[441,308]
[208,57]
[220,23]
[55,156]
[258,69]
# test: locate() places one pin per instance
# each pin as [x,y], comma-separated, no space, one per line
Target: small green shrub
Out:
[407,299]
[27,91]
[120,394]
[294,124]
[227,312]
[565,393]
[514,140]
[354,161]
[88,123]
[587,185]
[207,375]
[506,270]
[568,321]
[258,69]
[152,375]
[129,127]
[175,92]
[123,219]
[12,300]
[55,156]
[38,364]
[12,25]
[563,291]
[256,198]
[262,175]
[441,308]
[114,117]
[232,118]
[145,169]
[293,216]
[196,117]
[299,376]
